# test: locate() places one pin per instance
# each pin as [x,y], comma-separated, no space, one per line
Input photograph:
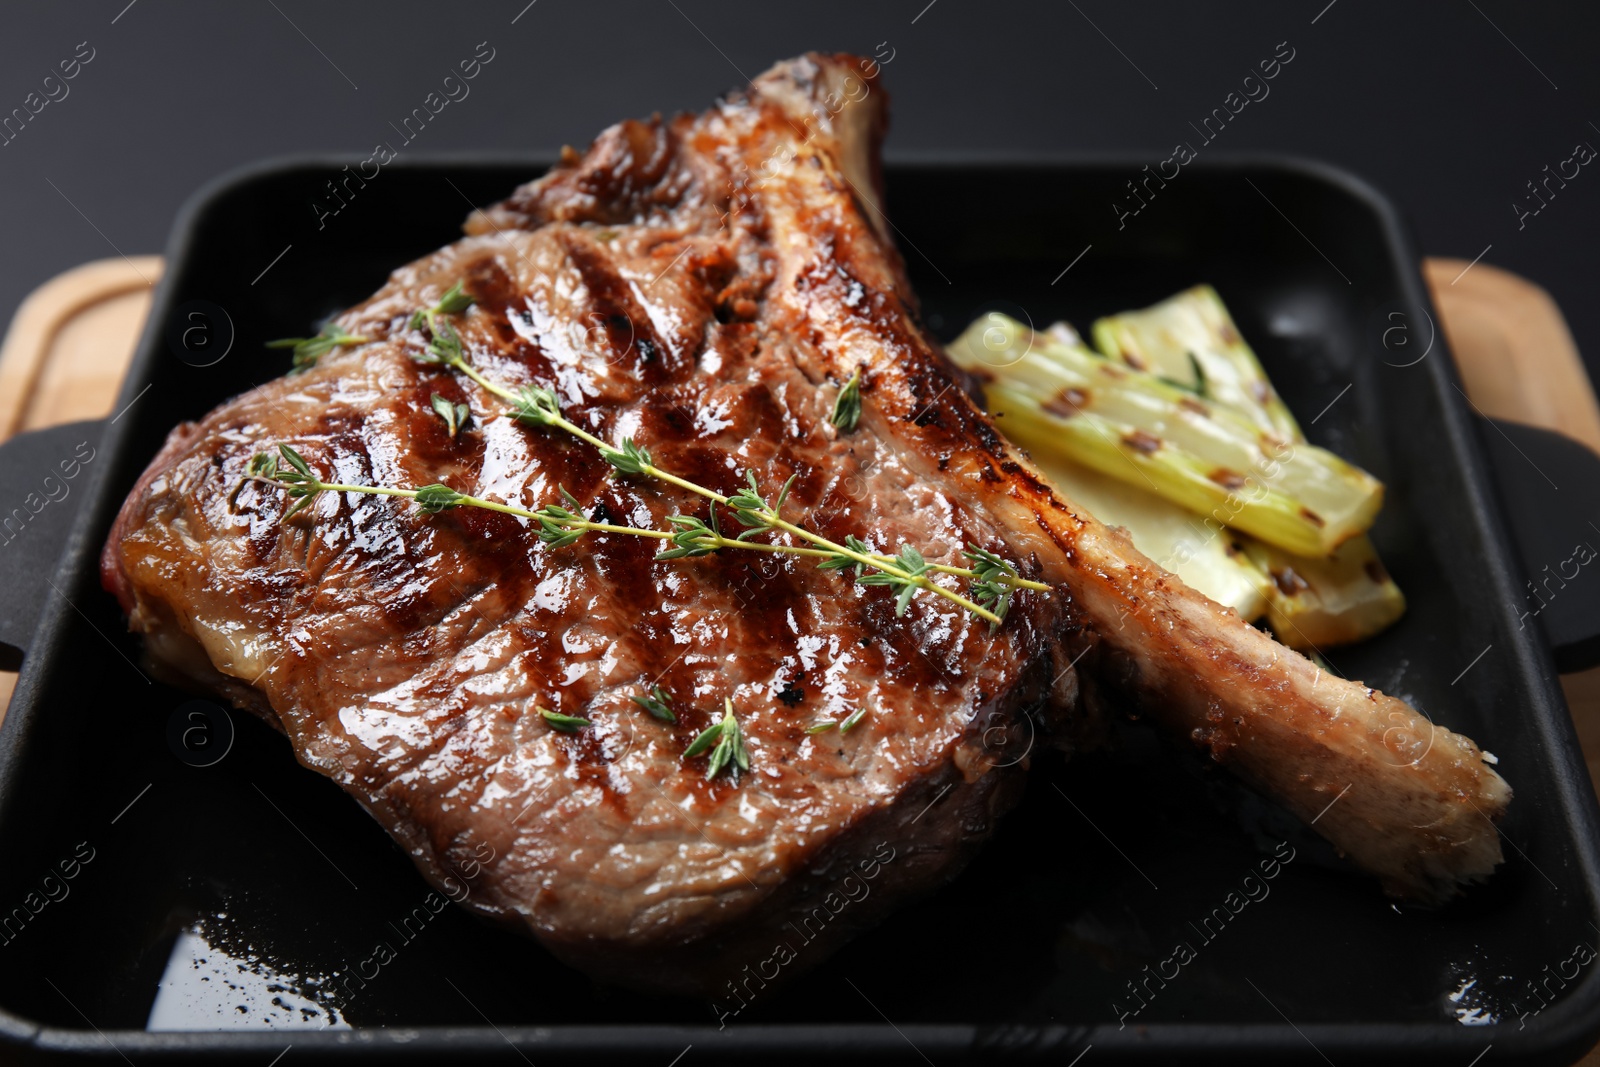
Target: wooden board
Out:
[67,350]
[1513,348]
[70,343]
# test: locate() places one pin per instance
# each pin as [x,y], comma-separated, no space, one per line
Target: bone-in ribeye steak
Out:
[706,285]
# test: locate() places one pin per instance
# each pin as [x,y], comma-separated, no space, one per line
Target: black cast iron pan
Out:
[1110,861]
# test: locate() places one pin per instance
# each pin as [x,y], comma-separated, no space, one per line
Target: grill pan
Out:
[1110,860]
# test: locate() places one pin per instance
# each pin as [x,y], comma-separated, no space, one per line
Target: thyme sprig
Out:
[725,740]
[307,350]
[559,525]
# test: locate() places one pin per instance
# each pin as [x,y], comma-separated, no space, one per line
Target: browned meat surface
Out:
[705,286]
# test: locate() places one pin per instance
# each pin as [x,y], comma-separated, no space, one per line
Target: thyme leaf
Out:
[567,724]
[706,738]
[847,405]
[436,498]
[657,703]
[555,522]
[691,538]
[455,416]
[629,459]
[841,561]
[445,348]
[453,301]
[1200,388]
[307,350]
[537,406]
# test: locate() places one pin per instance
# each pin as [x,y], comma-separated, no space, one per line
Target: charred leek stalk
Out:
[1152,433]
[1215,564]
[1191,338]
[1311,602]
[1318,603]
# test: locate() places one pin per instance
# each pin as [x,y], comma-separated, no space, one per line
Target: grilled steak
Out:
[705,286]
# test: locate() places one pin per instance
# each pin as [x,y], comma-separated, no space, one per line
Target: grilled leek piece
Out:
[1191,338]
[1153,434]
[1318,603]
[1215,563]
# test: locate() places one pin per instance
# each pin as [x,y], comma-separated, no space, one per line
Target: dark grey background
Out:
[1450,107]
